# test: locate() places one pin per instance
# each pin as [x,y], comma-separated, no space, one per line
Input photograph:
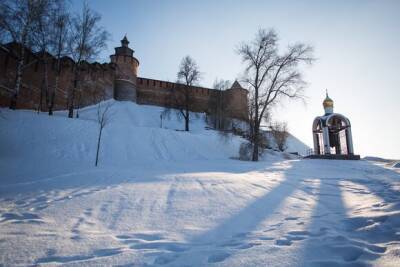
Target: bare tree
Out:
[103,116]
[188,75]
[279,131]
[271,76]
[60,19]
[88,38]
[17,19]
[42,39]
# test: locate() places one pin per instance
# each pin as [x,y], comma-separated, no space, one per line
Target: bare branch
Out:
[271,76]
[182,98]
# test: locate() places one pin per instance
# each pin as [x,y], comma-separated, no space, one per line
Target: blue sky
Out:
[356,44]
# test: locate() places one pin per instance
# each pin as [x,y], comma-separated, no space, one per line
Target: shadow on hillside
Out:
[341,238]
[247,219]
[380,181]
[326,219]
[331,234]
[242,223]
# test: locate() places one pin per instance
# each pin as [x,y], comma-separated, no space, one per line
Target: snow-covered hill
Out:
[162,197]
[133,137]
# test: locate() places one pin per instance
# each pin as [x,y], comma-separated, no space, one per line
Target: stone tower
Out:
[236,101]
[126,72]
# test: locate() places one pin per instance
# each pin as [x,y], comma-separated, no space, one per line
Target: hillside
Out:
[164,197]
[133,137]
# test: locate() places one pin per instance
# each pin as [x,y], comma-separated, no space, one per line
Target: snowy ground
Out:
[168,198]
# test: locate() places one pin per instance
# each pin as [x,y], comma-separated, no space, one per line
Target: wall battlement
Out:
[118,79]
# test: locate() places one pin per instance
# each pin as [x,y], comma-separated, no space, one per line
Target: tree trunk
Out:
[187,118]
[18,80]
[13,102]
[71,110]
[187,122]
[78,106]
[51,106]
[51,110]
[255,142]
[41,98]
[98,146]
[71,104]
[57,79]
[46,84]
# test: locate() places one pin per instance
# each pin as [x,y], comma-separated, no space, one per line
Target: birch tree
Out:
[42,28]
[17,19]
[59,35]
[87,39]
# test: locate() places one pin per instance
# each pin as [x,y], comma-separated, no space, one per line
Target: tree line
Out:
[48,27]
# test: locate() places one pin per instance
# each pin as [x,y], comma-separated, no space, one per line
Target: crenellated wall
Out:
[117,79]
[93,77]
[161,93]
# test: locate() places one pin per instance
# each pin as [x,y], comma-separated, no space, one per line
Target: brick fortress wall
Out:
[160,93]
[93,77]
[118,79]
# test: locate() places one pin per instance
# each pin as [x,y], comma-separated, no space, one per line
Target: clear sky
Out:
[356,44]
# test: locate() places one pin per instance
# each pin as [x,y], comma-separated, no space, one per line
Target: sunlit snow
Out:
[172,198]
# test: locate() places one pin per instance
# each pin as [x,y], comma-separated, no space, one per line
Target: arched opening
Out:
[332,135]
[318,136]
[339,129]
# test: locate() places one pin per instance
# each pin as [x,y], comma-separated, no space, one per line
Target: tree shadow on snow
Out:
[341,239]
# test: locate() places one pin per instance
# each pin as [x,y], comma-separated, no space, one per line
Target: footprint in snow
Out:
[99,253]
[283,242]
[249,245]
[218,257]
[240,235]
[148,237]
[295,238]
[169,246]
[348,253]
[266,238]
[291,218]
[165,259]
[88,212]
[231,243]
[25,217]
[299,233]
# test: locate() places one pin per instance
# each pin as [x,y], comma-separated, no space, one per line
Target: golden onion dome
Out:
[328,103]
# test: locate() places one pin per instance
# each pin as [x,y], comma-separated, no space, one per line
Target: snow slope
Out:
[162,197]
